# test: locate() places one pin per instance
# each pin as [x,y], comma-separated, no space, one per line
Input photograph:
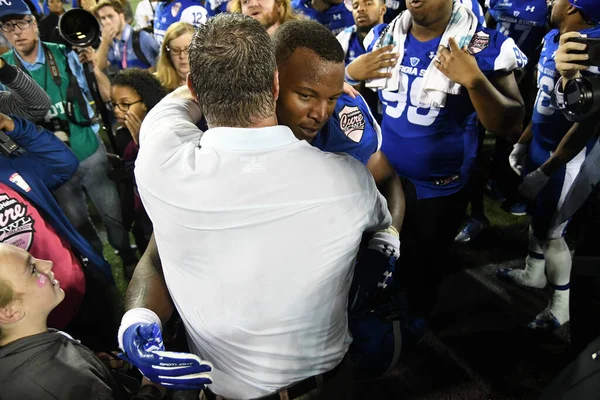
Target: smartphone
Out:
[593,50]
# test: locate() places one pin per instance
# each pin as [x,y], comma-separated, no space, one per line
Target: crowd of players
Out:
[223,180]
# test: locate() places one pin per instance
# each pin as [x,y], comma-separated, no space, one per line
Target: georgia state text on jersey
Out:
[549,123]
[523,20]
[169,12]
[436,147]
[336,18]
[352,129]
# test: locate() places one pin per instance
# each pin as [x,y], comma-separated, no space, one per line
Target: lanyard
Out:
[124,57]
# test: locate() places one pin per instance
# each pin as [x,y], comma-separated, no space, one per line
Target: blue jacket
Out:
[45,165]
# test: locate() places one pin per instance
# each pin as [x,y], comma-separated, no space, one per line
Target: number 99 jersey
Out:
[549,123]
[436,147]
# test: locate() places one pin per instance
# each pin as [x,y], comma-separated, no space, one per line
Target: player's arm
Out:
[148,288]
[497,101]
[389,185]
[148,304]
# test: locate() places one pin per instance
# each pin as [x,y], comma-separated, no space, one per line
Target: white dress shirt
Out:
[257,233]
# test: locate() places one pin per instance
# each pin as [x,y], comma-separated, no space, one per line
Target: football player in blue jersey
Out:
[367,14]
[549,259]
[333,14]
[432,143]
[270,13]
[168,12]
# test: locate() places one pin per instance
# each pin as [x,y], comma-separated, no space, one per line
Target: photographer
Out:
[25,98]
[61,75]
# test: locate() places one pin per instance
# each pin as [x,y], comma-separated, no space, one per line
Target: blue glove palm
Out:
[143,347]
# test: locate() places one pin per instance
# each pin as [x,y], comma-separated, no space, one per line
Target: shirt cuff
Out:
[8,74]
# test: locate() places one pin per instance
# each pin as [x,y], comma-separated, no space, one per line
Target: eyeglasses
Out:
[123,106]
[176,52]
[10,26]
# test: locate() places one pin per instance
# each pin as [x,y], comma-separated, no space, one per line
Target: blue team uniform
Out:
[216,7]
[167,13]
[336,18]
[549,126]
[352,129]
[354,47]
[523,20]
[436,147]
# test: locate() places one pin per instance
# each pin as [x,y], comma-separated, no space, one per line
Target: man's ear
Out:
[11,313]
[190,86]
[276,85]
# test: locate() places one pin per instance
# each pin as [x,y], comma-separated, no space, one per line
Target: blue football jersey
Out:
[216,7]
[523,20]
[436,147]
[167,13]
[352,129]
[549,124]
[336,18]
[351,43]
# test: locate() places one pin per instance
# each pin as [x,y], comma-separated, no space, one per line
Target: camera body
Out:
[8,147]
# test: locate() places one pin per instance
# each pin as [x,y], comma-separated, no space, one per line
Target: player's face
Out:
[559,11]
[55,6]
[109,18]
[265,11]
[367,13]
[127,98]
[179,57]
[23,40]
[308,90]
[426,12]
[33,281]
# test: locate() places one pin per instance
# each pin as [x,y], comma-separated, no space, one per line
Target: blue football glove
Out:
[374,269]
[143,347]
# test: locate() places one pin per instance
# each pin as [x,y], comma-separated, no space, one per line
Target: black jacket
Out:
[52,366]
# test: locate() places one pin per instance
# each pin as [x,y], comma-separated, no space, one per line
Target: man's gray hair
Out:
[232,67]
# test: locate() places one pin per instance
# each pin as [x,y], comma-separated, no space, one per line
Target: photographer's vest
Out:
[83,140]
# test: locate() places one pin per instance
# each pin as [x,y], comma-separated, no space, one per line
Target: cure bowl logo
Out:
[352,123]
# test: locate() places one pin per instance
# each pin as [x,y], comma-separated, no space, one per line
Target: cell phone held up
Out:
[593,50]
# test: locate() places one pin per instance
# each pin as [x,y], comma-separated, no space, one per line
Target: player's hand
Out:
[86,54]
[133,123]
[109,33]
[373,65]
[6,123]
[566,61]
[348,89]
[143,347]
[458,64]
[533,183]
[517,158]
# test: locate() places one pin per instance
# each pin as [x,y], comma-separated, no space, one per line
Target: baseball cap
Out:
[13,7]
[591,8]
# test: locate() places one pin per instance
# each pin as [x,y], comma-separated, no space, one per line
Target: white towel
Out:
[436,86]
[344,37]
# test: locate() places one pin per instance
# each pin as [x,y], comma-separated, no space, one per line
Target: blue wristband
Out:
[349,79]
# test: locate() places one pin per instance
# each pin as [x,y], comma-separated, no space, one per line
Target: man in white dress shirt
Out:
[257,230]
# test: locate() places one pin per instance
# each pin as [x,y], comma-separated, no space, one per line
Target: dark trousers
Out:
[584,304]
[428,232]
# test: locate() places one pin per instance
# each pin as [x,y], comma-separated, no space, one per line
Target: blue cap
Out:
[13,7]
[591,8]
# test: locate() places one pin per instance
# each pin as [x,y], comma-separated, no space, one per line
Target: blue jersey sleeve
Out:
[352,129]
[495,52]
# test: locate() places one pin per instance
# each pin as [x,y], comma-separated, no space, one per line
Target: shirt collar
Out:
[124,35]
[40,59]
[248,138]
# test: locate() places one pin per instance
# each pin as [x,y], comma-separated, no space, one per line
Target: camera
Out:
[79,28]
[581,97]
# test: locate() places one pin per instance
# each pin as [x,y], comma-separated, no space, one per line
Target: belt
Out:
[297,389]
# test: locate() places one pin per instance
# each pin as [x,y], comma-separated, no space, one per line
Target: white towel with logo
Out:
[436,86]
[344,37]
